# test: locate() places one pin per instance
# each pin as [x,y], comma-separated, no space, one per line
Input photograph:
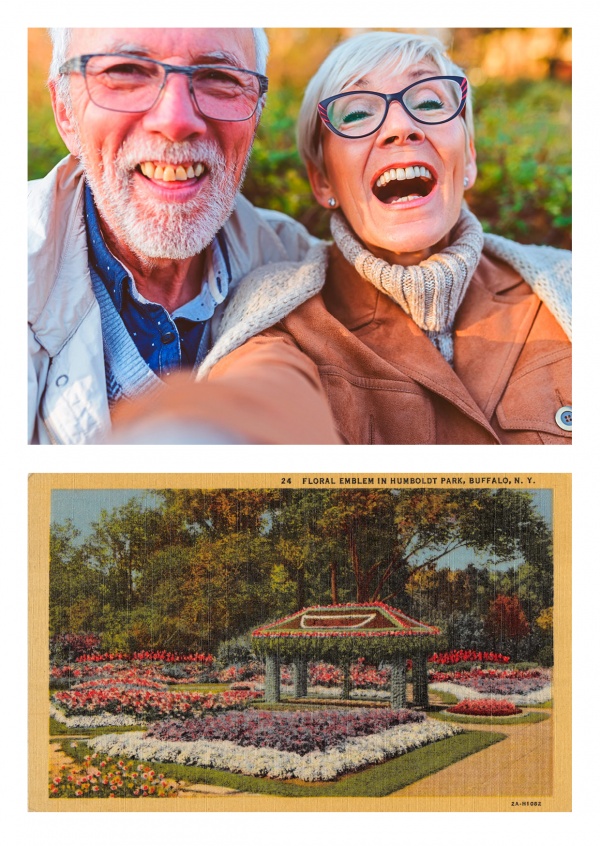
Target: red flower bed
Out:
[485,708]
[162,655]
[458,655]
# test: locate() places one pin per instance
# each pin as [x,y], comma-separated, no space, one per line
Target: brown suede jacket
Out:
[386,383]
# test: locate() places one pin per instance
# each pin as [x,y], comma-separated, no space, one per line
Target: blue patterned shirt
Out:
[166,342]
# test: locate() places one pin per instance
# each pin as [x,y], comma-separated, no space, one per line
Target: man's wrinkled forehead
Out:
[192,46]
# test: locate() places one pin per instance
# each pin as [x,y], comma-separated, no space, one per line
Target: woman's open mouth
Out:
[402,185]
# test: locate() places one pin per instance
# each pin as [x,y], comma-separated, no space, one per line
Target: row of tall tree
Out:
[199,567]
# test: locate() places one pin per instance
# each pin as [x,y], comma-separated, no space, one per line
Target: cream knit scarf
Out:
[430,292]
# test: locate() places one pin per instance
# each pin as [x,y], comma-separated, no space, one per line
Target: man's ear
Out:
[64,120]
[320,185]
[470,163]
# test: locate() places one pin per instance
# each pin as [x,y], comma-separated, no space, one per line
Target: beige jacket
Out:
[66,379]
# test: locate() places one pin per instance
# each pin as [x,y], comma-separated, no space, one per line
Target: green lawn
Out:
[378,780]
[57,729]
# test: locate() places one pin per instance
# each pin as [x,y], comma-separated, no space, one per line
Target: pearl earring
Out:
[332,202]
[466,182]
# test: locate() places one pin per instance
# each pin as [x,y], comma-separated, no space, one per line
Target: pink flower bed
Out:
[289,731]
[146,703]
[157,655]
[118,670]
[485,708]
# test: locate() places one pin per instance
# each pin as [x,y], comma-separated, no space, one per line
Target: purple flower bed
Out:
[288,731]
[508,687]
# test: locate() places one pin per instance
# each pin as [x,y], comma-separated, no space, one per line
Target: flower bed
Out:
[336,693]
[106,779]
[457,656]
[350,755]
[156,655]
[289,731]
[145,704]
[485,708]
[92,721]
[166,672]
[521,687]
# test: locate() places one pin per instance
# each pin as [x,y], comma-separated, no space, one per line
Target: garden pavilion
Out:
[341,634]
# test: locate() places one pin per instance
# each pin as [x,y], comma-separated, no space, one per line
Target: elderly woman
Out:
[421,329]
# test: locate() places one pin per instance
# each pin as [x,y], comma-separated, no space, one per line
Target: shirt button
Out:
[564,418]
[168,337]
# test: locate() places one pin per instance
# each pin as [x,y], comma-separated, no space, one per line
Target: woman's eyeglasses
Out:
[356,114]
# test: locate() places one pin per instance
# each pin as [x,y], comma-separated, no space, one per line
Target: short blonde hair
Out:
[357,57]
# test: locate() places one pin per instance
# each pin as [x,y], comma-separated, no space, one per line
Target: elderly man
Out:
[139,236]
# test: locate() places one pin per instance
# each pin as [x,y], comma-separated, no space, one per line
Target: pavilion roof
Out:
[358,620]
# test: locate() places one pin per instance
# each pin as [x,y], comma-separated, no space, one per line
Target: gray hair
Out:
[357,57]
[61,40]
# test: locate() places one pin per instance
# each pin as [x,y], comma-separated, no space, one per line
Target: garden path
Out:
[520,767]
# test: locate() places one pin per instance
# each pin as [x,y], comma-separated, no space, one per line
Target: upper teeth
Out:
[171,173]
[403,173]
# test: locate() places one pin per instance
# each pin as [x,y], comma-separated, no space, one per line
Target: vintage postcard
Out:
[317,642]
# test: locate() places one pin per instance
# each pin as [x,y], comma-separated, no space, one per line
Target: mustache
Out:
[133,152]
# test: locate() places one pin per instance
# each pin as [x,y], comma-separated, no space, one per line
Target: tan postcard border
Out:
[40,487]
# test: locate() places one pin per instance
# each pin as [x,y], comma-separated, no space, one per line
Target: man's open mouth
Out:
[401,185]
[172,172]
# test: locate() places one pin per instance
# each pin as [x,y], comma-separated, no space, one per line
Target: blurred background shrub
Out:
[522,87]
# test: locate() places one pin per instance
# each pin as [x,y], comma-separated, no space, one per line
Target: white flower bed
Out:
[248,760]
[461,691]
[336,692]
[92,721]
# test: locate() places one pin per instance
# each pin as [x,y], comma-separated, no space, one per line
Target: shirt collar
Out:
[115,276]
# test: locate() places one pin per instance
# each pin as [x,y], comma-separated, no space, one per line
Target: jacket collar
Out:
[58,258]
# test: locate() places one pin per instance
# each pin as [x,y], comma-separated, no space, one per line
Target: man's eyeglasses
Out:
[356,114]
[123,82]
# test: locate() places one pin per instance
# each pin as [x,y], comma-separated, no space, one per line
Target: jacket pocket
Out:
[532,399]
[378,411]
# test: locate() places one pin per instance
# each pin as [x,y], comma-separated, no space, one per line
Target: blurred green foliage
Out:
[46,147]
[523,141]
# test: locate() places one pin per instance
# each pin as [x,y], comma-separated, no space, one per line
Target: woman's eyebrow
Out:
[417,73]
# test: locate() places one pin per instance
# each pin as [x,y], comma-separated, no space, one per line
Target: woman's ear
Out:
[64,120]
[320,185]
[470,164]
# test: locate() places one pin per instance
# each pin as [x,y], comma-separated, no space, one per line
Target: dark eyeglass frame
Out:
[78,64]
[398,97]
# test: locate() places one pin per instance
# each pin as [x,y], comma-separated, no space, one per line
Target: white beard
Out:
[153,229]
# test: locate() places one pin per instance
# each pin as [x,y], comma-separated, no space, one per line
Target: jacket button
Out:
[564,418]
[168,337]
[62,380]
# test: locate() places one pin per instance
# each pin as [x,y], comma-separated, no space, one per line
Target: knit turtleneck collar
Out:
[430,292]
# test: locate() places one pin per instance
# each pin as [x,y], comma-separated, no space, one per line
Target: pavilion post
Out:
[272,679]
[419,674]
[346,680]
[398,683]
[300,676]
